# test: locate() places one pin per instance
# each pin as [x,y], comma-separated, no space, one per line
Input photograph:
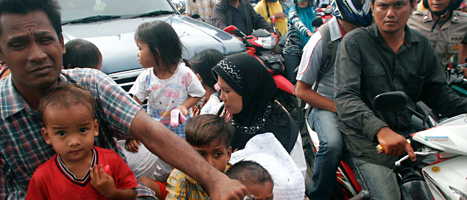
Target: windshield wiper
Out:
[96,18]
[154,13]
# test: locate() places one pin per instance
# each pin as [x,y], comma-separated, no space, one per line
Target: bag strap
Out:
[327,61]
[329,53]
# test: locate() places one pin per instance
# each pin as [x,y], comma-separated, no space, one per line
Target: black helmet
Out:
[453,5]
[357,12]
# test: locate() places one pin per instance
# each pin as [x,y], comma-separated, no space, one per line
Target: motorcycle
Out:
[456,80]
[323,15]
[446,177]
[260,44]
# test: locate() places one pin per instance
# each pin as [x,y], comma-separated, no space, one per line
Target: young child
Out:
[202,64]
[210,135]
[257,179]
[79,170]
[167,83]
[82,54]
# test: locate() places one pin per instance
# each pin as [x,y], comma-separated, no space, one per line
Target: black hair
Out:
[81,53]
[65,95]
[163,42]
[50,8]
[249,172]
[202,129]
[203,62]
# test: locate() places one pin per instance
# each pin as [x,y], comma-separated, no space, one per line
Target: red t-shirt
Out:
[52,180]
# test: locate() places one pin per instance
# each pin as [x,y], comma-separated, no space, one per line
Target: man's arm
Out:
[179,154]
[218,16]
[308,71]
[462,53]
[304,92]
[436,93]
[352,111]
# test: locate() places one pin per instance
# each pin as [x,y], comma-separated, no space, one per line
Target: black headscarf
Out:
[259,114]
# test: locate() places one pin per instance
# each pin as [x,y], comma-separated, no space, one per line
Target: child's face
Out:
[261,191]
[216,153]
[145,56]
[70,131]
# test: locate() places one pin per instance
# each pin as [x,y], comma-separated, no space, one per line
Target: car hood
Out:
[115,39]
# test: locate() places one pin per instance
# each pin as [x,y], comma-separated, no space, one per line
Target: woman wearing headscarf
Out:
[248,92]
[300,30]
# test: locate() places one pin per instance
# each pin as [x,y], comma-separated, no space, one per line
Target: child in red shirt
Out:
[79,170]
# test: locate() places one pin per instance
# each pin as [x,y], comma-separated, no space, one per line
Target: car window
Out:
[78,9]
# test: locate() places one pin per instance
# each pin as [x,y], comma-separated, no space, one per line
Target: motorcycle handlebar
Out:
[417,153]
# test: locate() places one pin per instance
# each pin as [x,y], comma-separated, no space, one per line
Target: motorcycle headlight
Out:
[266,42]
[462,196]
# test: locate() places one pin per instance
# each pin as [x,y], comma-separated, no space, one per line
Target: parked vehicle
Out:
[110,25]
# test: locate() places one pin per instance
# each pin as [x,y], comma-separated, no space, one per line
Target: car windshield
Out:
[82,11]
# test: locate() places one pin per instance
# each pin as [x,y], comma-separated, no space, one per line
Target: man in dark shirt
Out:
[240,14]
[387,56]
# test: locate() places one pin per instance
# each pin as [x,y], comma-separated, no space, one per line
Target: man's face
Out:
[391,15]
[32,50]
[439,5]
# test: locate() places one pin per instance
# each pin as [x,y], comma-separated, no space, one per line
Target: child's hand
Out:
[132,145]
[183,109]
[102,182]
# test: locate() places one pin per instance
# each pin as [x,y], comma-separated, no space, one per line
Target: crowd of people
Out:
[69,131]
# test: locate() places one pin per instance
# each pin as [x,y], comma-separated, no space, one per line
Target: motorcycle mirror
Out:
[317,22]
[391,101]
[234,30]
[230,28]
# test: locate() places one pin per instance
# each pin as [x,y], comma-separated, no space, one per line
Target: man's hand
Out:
[394,144]
[102,182]
[132,145]
[227,189]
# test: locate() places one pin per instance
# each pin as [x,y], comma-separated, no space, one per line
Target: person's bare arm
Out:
[303,91]
[137,100]
[190,102]
[462,53]
[179,154]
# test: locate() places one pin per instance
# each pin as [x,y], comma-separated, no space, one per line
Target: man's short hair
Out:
[81,53]
[50,7]
[66,95]
[202,129]
[249,172]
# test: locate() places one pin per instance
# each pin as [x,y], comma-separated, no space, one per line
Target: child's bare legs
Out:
[161,193]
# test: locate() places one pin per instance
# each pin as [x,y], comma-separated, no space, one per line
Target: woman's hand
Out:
[280,15]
